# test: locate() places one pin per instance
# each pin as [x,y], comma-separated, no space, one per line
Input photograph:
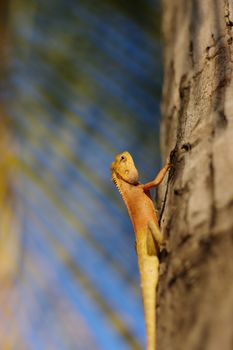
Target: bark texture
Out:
[195,308]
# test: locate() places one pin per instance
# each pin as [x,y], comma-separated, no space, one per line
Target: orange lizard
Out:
[148,236]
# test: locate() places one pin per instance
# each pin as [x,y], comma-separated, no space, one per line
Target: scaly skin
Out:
[148,236]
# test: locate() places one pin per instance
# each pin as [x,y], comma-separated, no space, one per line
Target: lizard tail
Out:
[148,266]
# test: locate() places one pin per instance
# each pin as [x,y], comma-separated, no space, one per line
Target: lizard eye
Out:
[123,158]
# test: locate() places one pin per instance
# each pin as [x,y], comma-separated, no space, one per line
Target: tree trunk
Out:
[195,305]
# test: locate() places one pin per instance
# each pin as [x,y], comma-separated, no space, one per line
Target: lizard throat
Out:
[117,177]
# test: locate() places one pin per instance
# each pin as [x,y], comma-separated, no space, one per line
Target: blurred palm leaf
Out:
[84,85]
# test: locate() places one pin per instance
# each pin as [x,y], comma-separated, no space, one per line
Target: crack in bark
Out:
[211,183]
[229,23]
[222,121]
[191,53]
[184,91]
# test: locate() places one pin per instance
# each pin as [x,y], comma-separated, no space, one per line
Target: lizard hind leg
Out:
[155,231]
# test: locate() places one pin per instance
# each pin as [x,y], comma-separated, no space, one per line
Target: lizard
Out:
[143,216]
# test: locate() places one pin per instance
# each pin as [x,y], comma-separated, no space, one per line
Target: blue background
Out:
[84,84]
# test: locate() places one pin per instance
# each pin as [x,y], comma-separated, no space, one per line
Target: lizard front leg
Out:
[158,179]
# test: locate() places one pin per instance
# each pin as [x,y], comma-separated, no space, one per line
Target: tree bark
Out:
[195,301]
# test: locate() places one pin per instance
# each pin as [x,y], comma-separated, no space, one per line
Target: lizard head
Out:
[123,167]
